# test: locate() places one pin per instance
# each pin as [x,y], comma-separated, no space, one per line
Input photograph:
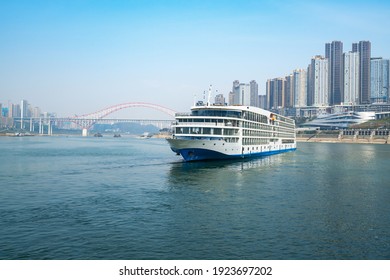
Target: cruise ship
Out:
[212,132]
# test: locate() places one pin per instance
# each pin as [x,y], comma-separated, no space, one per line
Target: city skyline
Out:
[73,57]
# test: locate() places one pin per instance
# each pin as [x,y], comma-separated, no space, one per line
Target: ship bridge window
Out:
[217,113]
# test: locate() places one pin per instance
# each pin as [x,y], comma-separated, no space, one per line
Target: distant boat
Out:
[98,135]
[146,135]
[117,135]
[20,134]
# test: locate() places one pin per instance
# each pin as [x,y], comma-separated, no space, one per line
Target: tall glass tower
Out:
[364,50]
[334,54]
[379,80]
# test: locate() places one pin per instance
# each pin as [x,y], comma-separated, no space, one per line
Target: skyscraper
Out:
[275,93]
[334,54]
[219,99]
[379,80]
[319,81]
[288,100]
[300,88]
[364,50]
[351,78]
[244,94]
[235,93]
[24,109]
[254,94]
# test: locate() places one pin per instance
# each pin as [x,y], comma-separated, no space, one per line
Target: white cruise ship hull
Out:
[195,150]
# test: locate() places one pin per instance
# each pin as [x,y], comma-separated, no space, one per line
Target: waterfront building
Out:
[319,82]
[310,86]
[263,101]
[244,94]
[379,80]
[334,54]
[364,50]
[275,93]
[231,98]
[14,111]
[36,112]
[235,99]
[288,101]
[24,112]
[219,99]
[351,78]
[340,120]
[299,88]
[254,94]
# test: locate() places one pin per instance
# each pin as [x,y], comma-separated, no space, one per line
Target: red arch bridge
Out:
[85,122]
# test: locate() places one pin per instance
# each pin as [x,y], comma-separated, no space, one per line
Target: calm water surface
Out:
[126,198]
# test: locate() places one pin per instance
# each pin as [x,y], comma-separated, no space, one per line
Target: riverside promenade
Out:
[362,136]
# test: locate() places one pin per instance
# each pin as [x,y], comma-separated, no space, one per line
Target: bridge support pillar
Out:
[85,132]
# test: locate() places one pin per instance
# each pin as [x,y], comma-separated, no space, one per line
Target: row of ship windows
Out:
[261,141]
[264,119]
[266,127]
[267,134]
[255,117]
[205,130]
[235,123]
[221,131]
[255,141]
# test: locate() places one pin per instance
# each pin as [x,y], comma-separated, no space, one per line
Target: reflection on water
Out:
[220,173]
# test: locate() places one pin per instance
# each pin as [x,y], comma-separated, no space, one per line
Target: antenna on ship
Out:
[209,96]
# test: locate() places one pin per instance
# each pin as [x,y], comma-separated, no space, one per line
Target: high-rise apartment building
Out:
[263,101]
[14,110]
[275,93]
[320,76]
[364,50]
[318,83]
[299,88]
[244,94]
[219,99]
[288,100]
[379,80]
[235,96]
[351,78]
[254,93]
[24,112]
[334,54]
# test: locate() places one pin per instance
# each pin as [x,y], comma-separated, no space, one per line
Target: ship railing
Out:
[183,114]
[208,124]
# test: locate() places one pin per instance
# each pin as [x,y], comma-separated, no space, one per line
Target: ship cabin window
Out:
[250,116]
[206,130]
[216,113]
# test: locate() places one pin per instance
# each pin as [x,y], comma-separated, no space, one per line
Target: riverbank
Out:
[358,136]
[350,140]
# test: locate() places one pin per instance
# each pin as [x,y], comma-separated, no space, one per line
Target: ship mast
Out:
[209,96]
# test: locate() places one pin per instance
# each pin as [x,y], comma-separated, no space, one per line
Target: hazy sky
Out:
[76,57]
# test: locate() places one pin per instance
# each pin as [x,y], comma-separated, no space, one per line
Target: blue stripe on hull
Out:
[204,154]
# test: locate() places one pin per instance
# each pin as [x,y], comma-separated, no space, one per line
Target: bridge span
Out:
[46,125]
[86,121]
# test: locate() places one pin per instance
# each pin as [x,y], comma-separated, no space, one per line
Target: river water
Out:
[128,198]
